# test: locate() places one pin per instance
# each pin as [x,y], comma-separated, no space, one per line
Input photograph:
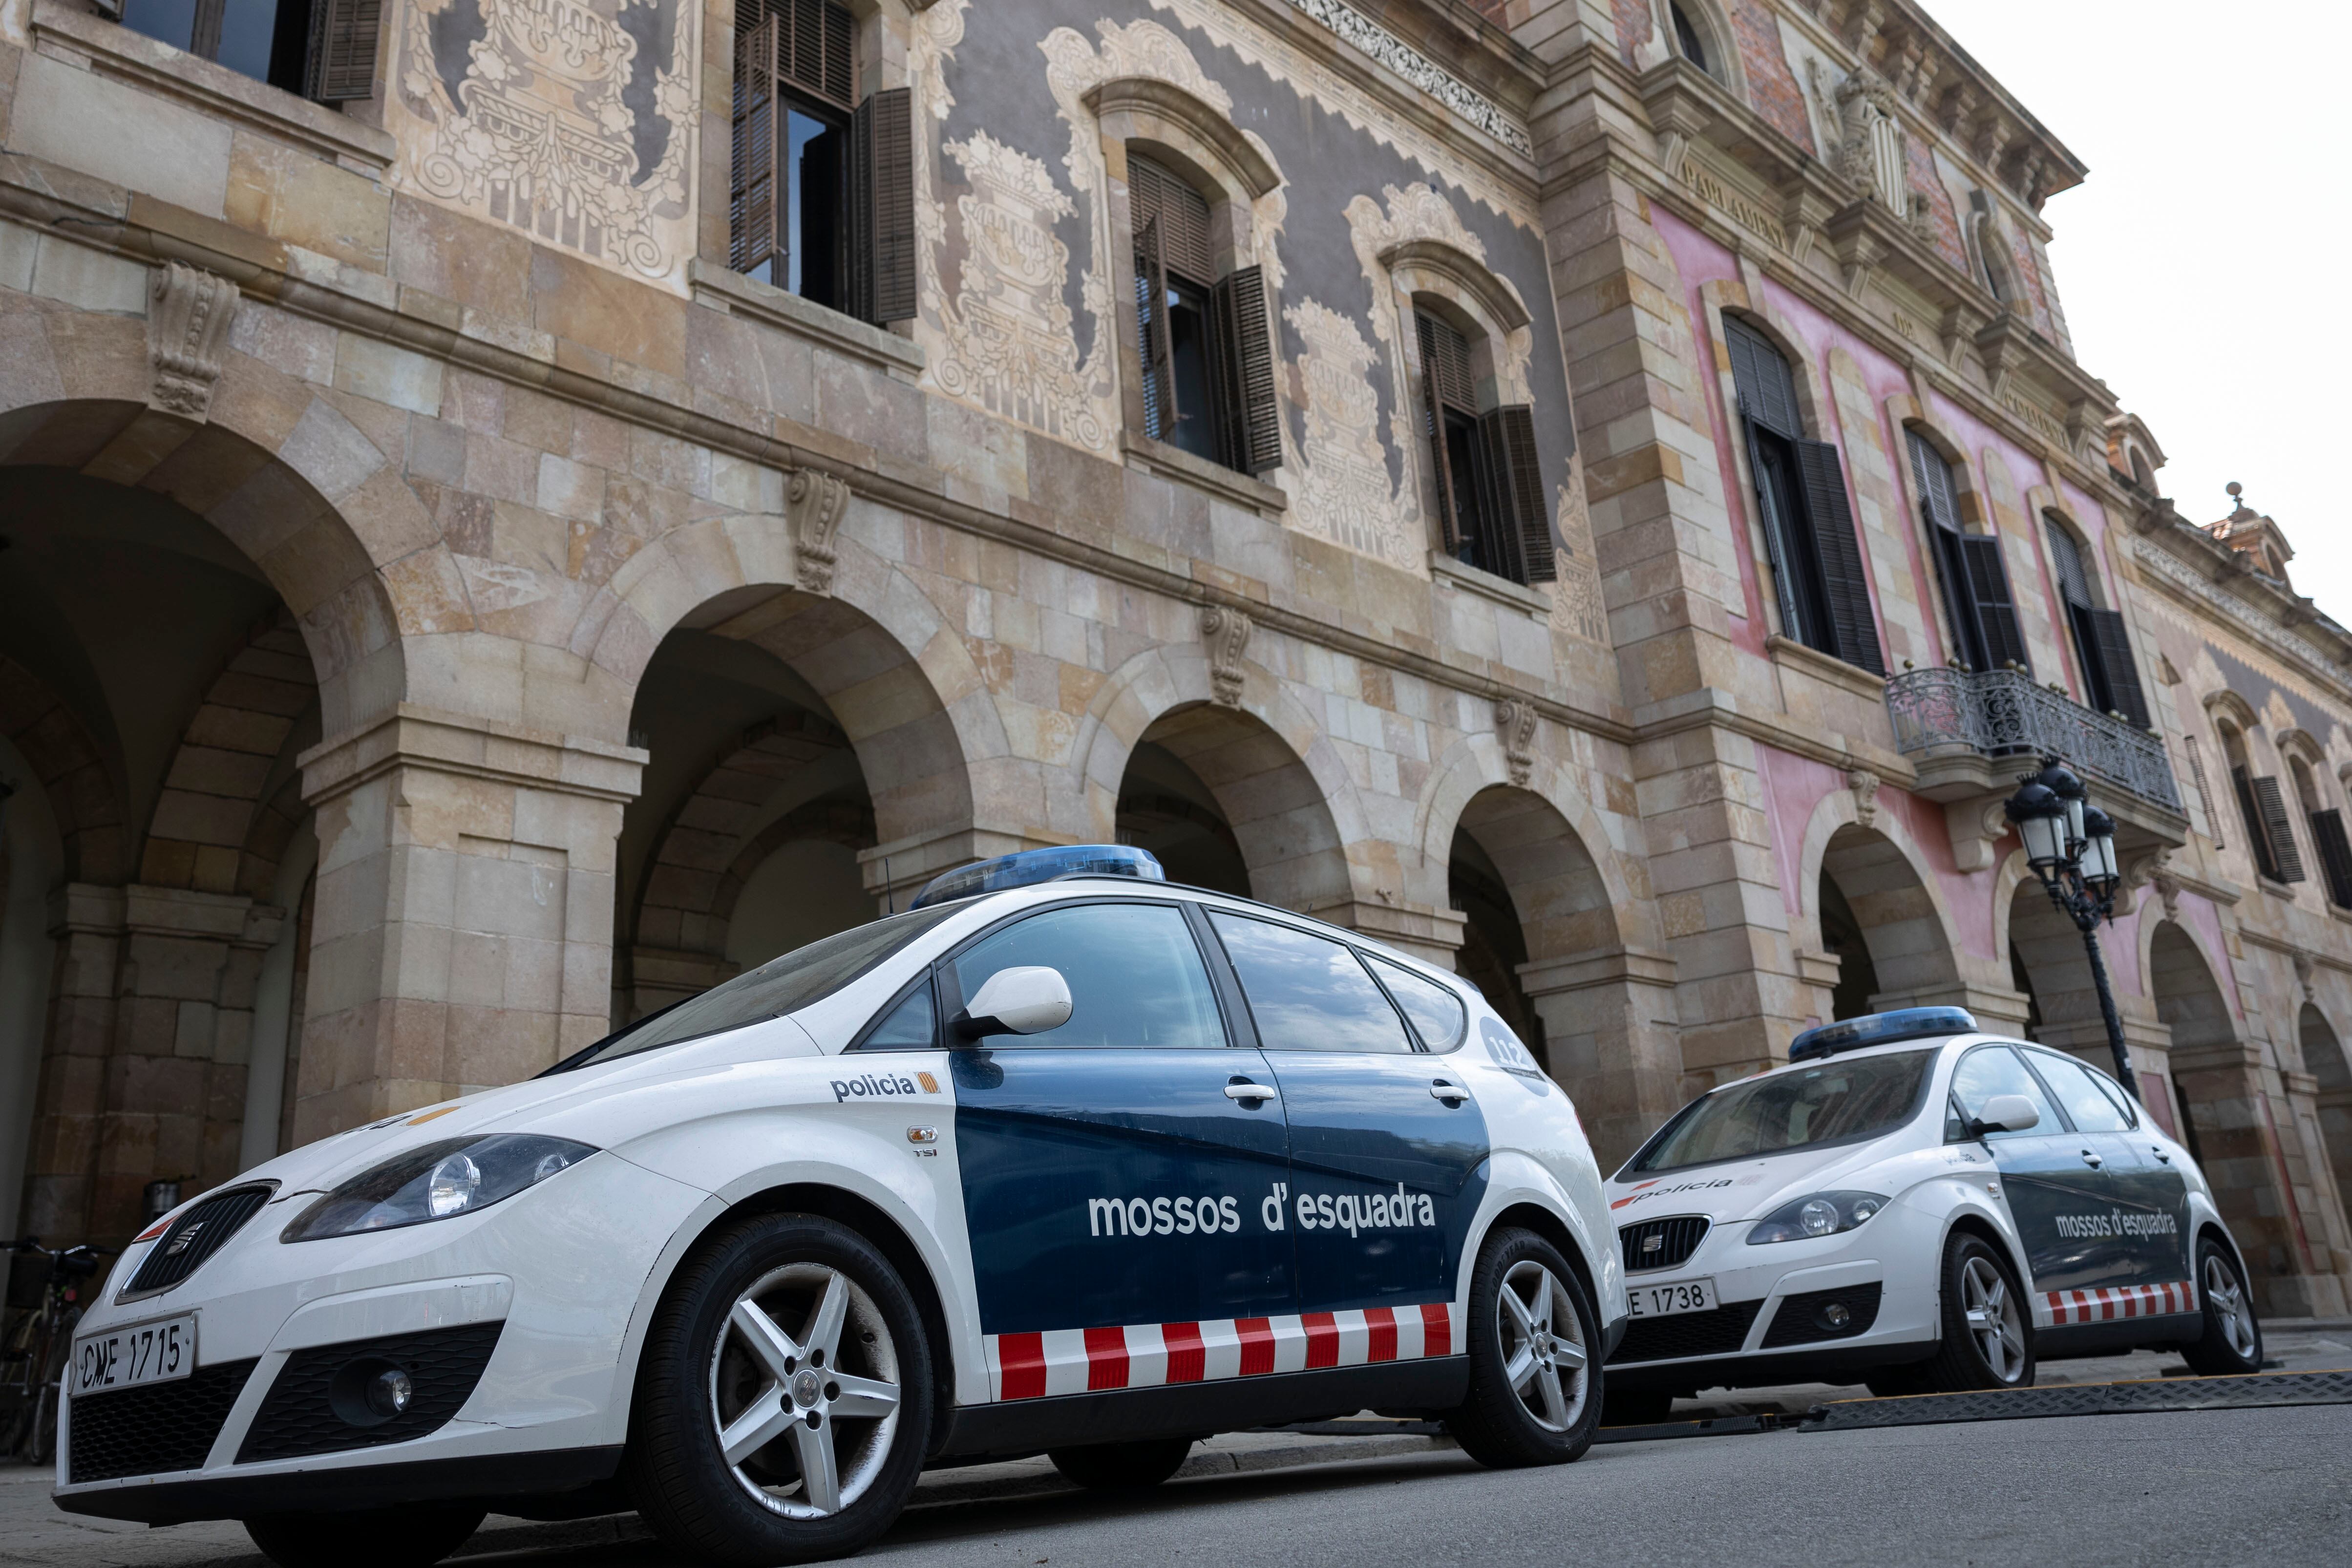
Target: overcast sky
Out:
[2199,262]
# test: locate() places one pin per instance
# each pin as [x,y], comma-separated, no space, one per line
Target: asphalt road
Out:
[2271,1488]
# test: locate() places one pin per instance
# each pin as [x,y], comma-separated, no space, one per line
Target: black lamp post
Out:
[2071,844]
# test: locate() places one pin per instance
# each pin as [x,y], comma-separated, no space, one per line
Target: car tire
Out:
[2231,1345]
[1546,1336]
[1122,1466]
[1987,1329]
[794,1331]
[414,1537]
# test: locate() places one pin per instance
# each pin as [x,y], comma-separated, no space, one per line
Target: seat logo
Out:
[184,1240]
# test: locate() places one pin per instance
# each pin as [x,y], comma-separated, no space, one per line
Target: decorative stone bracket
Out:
[188,316]
[1865,785]
[1515,718]
[1227,633]
[813,505]
[1977,826]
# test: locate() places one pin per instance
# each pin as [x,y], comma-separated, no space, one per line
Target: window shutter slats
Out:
[882,193]
[1763,379]
[752,195]
[1250,423]
[1837,549]
[1510,433]
[1445,362]
[2118,671]
[1500,540]
[1779,543]
[1937,496]
[2286,861]
[341,64]
[2067,558]
[1151,334]
[1449,514]
[2258,837]
[1154,195]
[1986,575]
[2334,855]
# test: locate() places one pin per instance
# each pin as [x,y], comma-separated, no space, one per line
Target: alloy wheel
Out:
[2229,1300]
[1992,1318]
[805,1420]
[1544,1355]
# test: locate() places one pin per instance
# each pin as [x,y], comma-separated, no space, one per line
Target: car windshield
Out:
[779,987]
[1836,1102]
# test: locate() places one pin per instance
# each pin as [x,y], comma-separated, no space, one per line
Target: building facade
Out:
[517,509]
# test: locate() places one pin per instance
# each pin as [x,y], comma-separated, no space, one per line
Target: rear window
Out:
[1834,1102]
[779,987]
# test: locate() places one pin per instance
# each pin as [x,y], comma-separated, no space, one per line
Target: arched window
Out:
[2326,825]
[2263,806]
[1689,41]
[2100,640]
[1489,480]
[1975,576]
[1801,498]
[821,196]
[1207,353]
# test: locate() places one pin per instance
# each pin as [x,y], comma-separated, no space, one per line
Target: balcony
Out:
[1962,726]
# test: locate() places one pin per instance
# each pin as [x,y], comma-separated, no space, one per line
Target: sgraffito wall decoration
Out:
[1577,608]
[1344,492]
[569,120]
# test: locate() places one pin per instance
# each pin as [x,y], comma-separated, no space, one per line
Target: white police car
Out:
[1921,1206]
[1064,1159]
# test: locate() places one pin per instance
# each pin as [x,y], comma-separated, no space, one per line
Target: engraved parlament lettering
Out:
[543,115]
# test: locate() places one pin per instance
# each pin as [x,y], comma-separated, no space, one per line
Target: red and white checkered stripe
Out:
[2105,1305]
[1147,1356]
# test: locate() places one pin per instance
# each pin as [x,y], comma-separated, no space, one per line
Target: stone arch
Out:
[83,795]
[1909,938]
[1173,120]
[322,511]
[1475,763]
[2325,1059]
[1716,40]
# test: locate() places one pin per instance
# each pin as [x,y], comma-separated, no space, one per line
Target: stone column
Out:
[463,931]
[1611,1039]
[2250,1164]
[61,1169]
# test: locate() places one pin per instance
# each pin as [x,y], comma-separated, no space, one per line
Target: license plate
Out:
[1665,1300]
[159,1351]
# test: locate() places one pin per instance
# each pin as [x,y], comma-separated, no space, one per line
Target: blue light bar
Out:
[1033,866]
[1881,1028]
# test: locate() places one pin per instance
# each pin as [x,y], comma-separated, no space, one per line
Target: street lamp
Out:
[2071,845]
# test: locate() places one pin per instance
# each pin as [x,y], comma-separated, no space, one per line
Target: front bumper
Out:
[553,1277]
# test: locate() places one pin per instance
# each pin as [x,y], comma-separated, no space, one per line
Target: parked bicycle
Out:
[33,1364]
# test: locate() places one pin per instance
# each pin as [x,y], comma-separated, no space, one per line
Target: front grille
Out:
[309,1413]
[194,1236]
[1799,1321]
[1676,1240]
[1719,1333]
[152,1430]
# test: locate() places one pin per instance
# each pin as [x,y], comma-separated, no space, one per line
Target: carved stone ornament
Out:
[814,503]
[2303,969]
[1227,633]
[1865,785]
[1975,827]
[1515,718]
[188,315]
[1869,150]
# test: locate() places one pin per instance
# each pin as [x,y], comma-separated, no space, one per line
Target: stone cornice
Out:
[2172,565]
[413,735]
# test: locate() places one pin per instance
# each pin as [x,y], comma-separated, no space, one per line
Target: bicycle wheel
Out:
[40,1442]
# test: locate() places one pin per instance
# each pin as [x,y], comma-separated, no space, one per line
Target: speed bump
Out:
[2254,1391]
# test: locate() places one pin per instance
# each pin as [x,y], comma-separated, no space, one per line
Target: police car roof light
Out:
[1029,866]
[1879,1029]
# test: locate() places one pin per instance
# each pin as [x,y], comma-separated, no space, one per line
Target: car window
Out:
[2090,1104]
[1307,993]
[779,987]
[1436,1013]
[1836,1102]
[911,1025]
[1135,974]
[1989,1070]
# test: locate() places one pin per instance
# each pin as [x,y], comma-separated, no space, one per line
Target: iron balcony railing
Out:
[2002,713]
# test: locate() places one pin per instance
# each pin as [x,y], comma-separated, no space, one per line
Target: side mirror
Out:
[1025,1000]
[2005,1113]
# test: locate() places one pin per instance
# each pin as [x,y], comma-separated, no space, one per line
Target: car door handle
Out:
[2159,1153]
[2092,1159]
[1451,1093]
[1250,1091]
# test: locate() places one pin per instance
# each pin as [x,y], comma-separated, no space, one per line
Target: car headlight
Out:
[1815,1213]
[439,1181]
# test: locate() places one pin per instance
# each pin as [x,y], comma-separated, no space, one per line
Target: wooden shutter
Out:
[1431,335]
[1151,334]
[1249,423]
[2258,837]
[1445,362]
[1780,544]
[815,45]
[2104,642]
[2334,855]
[1837,555]
[2286,861]
[341,64]
[882,197]
[1764,381]
[1986,575]
[1497,527]
[752,208]
[1522,530]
